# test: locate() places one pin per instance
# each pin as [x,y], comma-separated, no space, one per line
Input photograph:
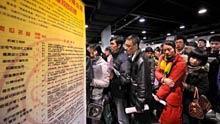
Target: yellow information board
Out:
[42,75]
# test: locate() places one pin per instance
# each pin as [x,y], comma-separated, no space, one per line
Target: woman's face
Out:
[194,61]
[168,51]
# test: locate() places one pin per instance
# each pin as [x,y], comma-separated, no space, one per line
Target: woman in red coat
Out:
[171,73]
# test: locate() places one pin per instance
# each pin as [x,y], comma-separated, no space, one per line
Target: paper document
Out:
[133,109]
[160,101]
[117,73]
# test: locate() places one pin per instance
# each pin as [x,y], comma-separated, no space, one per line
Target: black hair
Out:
[108,49]
[135,39]
[87,53]
[157,49]
[149,49]
[170,43]
[215,38]
[193,44]
[203,40]
[178,37]
[118,40]
[199,54]
[97,48]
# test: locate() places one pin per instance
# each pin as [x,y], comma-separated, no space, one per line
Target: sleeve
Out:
[159,74]
[177,74]
[143,85]
[104,80]
[89,71]
[203,84]
[218,79]
[125,72]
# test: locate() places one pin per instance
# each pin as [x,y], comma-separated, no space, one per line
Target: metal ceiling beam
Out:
[132,10]
[126,24]
[156,17]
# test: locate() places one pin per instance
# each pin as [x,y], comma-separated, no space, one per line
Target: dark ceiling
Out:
[162,17]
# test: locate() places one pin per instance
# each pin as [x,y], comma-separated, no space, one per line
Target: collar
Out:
[137,52]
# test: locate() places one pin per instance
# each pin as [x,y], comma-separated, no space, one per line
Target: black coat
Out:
[119,84]
[140,90]
[198,78]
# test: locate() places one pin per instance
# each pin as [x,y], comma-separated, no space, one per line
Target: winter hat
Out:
[199,54]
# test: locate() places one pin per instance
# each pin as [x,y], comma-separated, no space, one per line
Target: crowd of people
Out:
[124,76]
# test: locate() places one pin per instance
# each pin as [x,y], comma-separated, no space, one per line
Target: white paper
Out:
[160,101]
[133,109]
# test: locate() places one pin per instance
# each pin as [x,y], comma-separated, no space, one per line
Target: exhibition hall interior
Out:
[109,62]
[151,20]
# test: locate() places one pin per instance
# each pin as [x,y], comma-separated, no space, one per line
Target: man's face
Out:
[179,44]
[149,54]
[201,44]
[130,47]
[114,46]
[215,45]
[168,51]
[157,54]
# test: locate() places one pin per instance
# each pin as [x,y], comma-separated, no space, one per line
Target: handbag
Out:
[204,103]
[94,111]
[195,109]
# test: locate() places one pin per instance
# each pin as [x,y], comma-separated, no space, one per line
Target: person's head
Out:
[116,43]
[201,43]
[198,57]
[107,51]
[132,44]
[95,51]
[190,46]
[157,52]
[149,52]
[169,49]
[215,43]
[180,42]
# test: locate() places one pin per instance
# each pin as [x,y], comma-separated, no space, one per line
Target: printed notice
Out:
[42,76]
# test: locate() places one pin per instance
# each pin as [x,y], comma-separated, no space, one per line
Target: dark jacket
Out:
[89,77]
[119,83]
[140,90]
[197,78]
[213,92]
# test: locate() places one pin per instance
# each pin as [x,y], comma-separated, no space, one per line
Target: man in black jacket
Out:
[140,88]
[120,78]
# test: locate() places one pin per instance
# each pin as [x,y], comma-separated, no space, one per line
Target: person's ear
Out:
[119,46]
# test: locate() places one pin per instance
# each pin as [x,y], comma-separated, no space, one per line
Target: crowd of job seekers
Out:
[124,76]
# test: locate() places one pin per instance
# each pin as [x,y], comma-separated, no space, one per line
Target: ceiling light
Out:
[202,11]
[144,38]
[182,27]
[168,34]
[195,36]
[141,20]
[212,32]
[86,26]
[143,32]
[112,35]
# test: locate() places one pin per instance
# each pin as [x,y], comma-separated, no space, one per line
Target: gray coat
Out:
[101,79]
